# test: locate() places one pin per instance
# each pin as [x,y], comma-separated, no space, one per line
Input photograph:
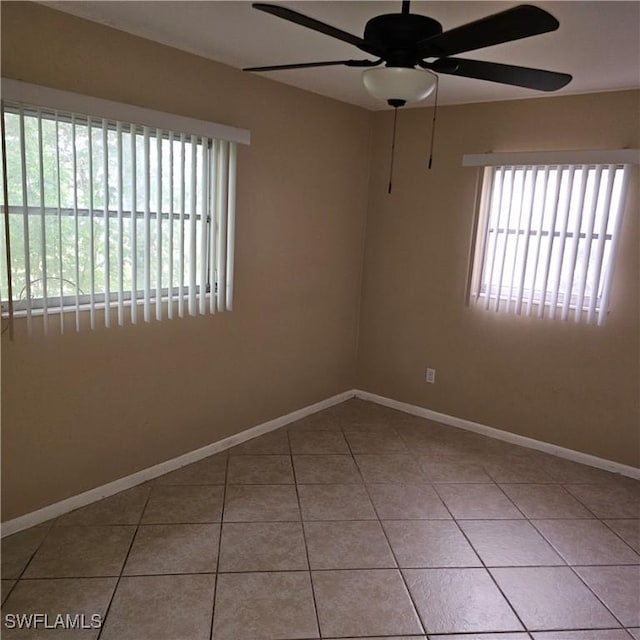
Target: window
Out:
[132,222]
[547,237]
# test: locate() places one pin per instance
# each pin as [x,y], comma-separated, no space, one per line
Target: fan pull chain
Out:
[433,124]
[393,145]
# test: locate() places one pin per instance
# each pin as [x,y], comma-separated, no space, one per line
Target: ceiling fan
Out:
[404,41]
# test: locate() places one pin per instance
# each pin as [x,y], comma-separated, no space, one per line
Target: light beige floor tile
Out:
[254,503]
[429,543]
[390,638]
[276,442]
[421,444]
[123,508]
[631,485]
[586,542]
[378,417]
[268,606]
[608,500]
[260,469]
[78,552]
[509,543]
[364,442]
[161,608]
[174,548]
[635,633]
[599,634]
[6,587]
[477,502]
[628,530]
[414,427]
[492,446]
[18,549]
[375,425]
[318,442]
[390,468]
[618,588]
[347,545]
[545,501]
[335,502]
[407,502]
[441,595]
[321,421]
[567,471]
[211,470]
[487,449]
[262,546]
[552,598]
[358,412]
[360,603]
[82,596]
[373,429]
[326,469]
[483,636]
[498,451]
[183,504]
[515,469]
[453,470]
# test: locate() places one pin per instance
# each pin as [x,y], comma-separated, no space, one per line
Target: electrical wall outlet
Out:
[431,376]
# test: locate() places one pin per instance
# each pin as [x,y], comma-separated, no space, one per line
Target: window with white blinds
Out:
[547,239]
[123,221]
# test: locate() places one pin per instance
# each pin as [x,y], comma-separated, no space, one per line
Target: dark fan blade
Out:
[503,73]
[306,65]
[515,23]
[316,25]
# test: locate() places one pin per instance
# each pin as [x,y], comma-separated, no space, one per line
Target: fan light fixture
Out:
[399,85]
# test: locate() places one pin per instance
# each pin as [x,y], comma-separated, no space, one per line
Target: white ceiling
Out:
[597,42]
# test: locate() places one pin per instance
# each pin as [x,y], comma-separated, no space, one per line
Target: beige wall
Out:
[80,410]
[572,385]
[84,409]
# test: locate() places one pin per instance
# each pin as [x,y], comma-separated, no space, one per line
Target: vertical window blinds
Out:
[547,238]
[128,222]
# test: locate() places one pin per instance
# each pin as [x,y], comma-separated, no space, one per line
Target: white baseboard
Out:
[111,488]
[81,500]
[498,434]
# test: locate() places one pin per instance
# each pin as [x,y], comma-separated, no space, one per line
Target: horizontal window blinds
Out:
[128,222]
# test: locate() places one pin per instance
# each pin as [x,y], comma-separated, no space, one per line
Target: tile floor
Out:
[356,522]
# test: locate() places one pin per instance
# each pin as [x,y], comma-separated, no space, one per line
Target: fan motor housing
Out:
[398,34]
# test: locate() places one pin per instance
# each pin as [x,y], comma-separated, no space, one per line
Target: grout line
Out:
[6,595]
[332,569]
[579,502]
[606,524]
[217,580]
[393,553]
[615,617]
[126,558]
[31,557]
[304,539]
[484,566]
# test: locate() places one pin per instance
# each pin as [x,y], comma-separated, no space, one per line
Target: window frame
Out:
[39,100]
[552,300]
